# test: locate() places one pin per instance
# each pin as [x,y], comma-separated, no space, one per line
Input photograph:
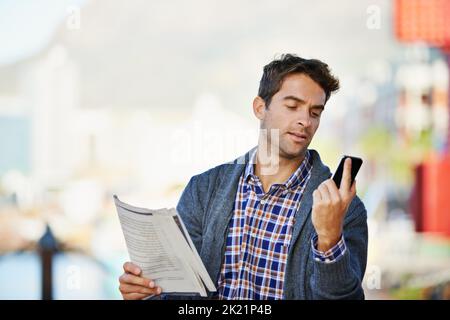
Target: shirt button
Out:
[263,201]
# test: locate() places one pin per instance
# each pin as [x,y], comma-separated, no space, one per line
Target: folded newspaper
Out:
[160,245]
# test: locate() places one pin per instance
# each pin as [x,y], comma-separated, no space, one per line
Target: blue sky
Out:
[28,25]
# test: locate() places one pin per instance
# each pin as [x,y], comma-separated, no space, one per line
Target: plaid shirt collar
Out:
[291,183]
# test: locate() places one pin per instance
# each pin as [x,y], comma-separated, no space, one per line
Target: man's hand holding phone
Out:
[330,205]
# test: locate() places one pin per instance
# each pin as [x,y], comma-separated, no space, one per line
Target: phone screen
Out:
[356,164]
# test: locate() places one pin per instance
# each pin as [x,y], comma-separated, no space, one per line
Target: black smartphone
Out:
[356,164]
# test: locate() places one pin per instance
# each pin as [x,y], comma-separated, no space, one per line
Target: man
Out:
[273,224]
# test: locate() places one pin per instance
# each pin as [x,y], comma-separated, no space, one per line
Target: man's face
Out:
[295,110]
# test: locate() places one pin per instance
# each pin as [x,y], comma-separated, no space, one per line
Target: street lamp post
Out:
[47,247]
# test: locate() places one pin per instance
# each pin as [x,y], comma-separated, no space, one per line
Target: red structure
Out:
[436,195]
[423,20]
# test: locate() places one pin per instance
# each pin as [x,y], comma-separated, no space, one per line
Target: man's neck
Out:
[275,169]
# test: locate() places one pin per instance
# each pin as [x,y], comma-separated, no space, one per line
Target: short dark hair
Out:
[275,72]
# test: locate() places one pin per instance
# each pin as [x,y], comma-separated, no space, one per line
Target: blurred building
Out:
[424,106]
[114,119]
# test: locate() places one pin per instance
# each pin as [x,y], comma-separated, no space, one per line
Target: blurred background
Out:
[103,97]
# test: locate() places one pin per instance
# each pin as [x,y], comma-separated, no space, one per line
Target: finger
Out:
[130,288]
[333,190]
[135,296]
[353,189]
[128,278]
[130,267]
[348,197]
[346,175]
[316,196]
[325,194]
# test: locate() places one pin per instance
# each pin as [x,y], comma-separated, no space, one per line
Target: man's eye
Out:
[291,107]
[315,115]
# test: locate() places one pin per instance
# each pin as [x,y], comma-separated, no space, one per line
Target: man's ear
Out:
[259,108]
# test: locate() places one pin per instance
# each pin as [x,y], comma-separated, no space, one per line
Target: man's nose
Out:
[304,119]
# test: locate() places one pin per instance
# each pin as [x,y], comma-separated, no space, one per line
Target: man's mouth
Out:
[298,136]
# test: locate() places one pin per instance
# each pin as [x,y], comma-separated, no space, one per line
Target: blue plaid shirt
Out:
[259,236]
